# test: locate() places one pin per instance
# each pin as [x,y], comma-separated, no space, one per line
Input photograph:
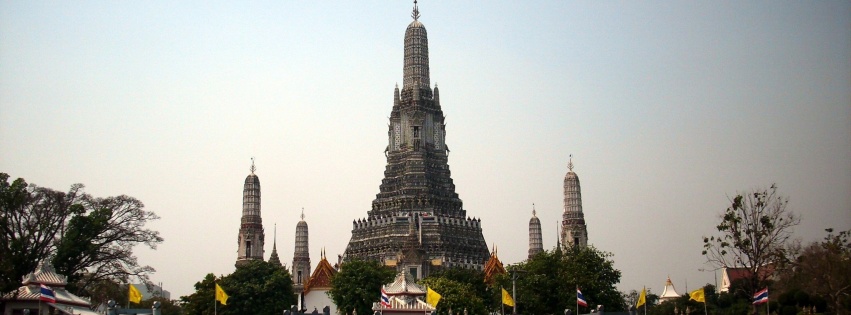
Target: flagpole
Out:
[645,300]
[577,300]
[705,312]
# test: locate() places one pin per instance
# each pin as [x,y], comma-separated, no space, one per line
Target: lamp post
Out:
[514,273]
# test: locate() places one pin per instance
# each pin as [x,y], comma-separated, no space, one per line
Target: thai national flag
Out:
[385,299]
[580,299]
[47,294]
[760,296]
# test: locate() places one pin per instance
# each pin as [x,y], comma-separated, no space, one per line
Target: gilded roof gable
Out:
[493,267]
[321,277]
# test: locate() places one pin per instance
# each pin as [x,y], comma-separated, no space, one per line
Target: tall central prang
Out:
[417,222]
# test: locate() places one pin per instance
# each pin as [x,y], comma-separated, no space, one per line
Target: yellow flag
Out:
[432,297]
[221,296]
[642,298]
[134,295]
[506,298]
[697,295]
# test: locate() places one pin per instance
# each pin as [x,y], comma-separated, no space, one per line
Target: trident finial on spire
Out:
[416,13]
[253,168]
[570,163]
[533,209]
[302,213]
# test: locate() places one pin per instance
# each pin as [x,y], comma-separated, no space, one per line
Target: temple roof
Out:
[669,291]
[493,267]
[45,274]
[321,277]
[404,284]
[399,305]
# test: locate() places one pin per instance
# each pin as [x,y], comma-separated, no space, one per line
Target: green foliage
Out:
[476,279]
[456,295]
[358,285]
[257,287]
[96,248]
[754,233]
[546,283]
[201,302]
[30,220]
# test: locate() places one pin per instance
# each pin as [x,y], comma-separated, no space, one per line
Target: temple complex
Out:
[417,221]
[536,242]
[251,237]
[573,229]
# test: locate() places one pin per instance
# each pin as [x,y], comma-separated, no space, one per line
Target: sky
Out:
[668,108]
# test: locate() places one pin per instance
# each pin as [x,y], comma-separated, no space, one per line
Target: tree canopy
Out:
[257,287]
[358,284]
[754,233]
[547,282]
[91,239]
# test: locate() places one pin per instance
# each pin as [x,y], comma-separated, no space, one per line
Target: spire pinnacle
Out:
[275,239]
[253,168]
[302,213]
[570,163]
[533,209]
[416,13]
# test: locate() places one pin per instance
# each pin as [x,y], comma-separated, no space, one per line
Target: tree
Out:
[476,280]
[549,281]
[358,285]
[31,217]
[455,295]
[201,302]
[754,234]
[823,269]
[98,244]
[90,239]
[257,287]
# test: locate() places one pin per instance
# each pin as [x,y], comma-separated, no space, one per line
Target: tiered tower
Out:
[301,256]
[251,237]
[417,196]
[273,258]
[573,229]
[536,242]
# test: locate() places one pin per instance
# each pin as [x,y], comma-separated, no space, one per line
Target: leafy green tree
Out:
[31,218]
[91,239]
[257,287]
[456,296]
[201,302]
[754,233]
[476,279]
[548,281]
[358,285]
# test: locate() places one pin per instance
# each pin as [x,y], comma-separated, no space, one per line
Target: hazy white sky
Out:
[667,107]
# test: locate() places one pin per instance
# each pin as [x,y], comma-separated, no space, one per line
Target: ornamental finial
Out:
[533,209]
[570,163]
[302,213]
[253,168]
[416,13]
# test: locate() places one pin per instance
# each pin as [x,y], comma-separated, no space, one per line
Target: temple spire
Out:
[416,12]
[252,168]
[570,163]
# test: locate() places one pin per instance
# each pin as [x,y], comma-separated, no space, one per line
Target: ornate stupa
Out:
[574,232]
[536,241]
[301,255]
[417,194]
[251,236]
